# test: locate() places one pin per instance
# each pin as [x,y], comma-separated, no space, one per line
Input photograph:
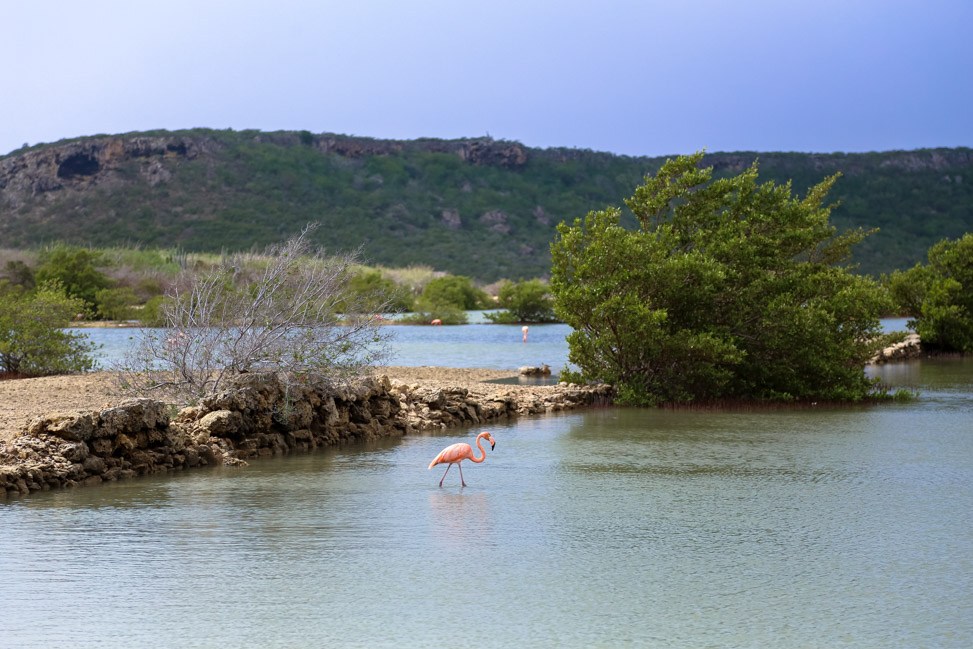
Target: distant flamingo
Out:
[456,453]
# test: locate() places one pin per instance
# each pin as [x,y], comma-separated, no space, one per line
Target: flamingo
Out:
[456,453]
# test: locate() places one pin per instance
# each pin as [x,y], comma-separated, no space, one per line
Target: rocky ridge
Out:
[473,206]
[80,165]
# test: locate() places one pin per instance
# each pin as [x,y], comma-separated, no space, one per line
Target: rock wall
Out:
[911,347]
[256,417]
[425,407]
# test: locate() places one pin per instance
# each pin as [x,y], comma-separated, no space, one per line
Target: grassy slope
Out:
[424,207]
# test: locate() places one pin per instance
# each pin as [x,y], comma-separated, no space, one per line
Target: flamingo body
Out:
[456,453]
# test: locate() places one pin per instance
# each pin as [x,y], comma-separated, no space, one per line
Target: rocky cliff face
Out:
[482,152]
[86,163]
[99,161]
[850,163]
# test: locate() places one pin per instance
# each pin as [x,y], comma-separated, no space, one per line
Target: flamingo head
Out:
[489,438]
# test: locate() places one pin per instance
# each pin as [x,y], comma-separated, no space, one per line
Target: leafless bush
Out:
[289,312]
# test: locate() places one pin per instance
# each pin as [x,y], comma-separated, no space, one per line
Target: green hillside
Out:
[482,208]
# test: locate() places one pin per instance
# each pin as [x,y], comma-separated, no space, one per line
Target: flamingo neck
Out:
[482,452]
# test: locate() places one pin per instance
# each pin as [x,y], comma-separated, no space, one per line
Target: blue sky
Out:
[637,78]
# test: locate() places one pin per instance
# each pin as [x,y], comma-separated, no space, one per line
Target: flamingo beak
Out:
[493,445]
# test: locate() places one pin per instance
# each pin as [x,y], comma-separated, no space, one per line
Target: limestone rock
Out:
[540,370]
[221,423]
[135,414]
[72,426]
[911,347]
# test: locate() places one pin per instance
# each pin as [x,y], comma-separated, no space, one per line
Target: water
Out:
[837,527]
[480,345]
[473,345]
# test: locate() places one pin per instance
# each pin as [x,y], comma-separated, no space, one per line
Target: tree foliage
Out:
[939,295]
[452,290]
[369,285]
[17,273]
[76,269]
[33,341]
[116,303]
[527,301]
[280,318]
[728,289]
[446,314]
[445,300]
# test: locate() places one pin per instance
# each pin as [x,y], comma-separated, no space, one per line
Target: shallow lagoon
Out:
[477,344]
[473,345]
[839,527]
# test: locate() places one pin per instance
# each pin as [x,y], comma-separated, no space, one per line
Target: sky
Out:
[650,77]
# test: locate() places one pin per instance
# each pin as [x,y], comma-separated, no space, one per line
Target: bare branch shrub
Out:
[277,312]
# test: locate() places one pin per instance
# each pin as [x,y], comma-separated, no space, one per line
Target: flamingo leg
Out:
[448,466]
[462,481]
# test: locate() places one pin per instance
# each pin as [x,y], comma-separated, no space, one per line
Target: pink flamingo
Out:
[456,453]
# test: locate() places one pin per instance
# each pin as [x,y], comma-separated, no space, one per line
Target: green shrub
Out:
[17,273]
[32,339]
[728,289]
[527,301]
[372,289]
[115,303]
[152,314]
[76,270]
[503,317]
[455,291]
[939,295]
[445,314]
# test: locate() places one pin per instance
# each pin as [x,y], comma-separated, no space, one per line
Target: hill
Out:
[477,207]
